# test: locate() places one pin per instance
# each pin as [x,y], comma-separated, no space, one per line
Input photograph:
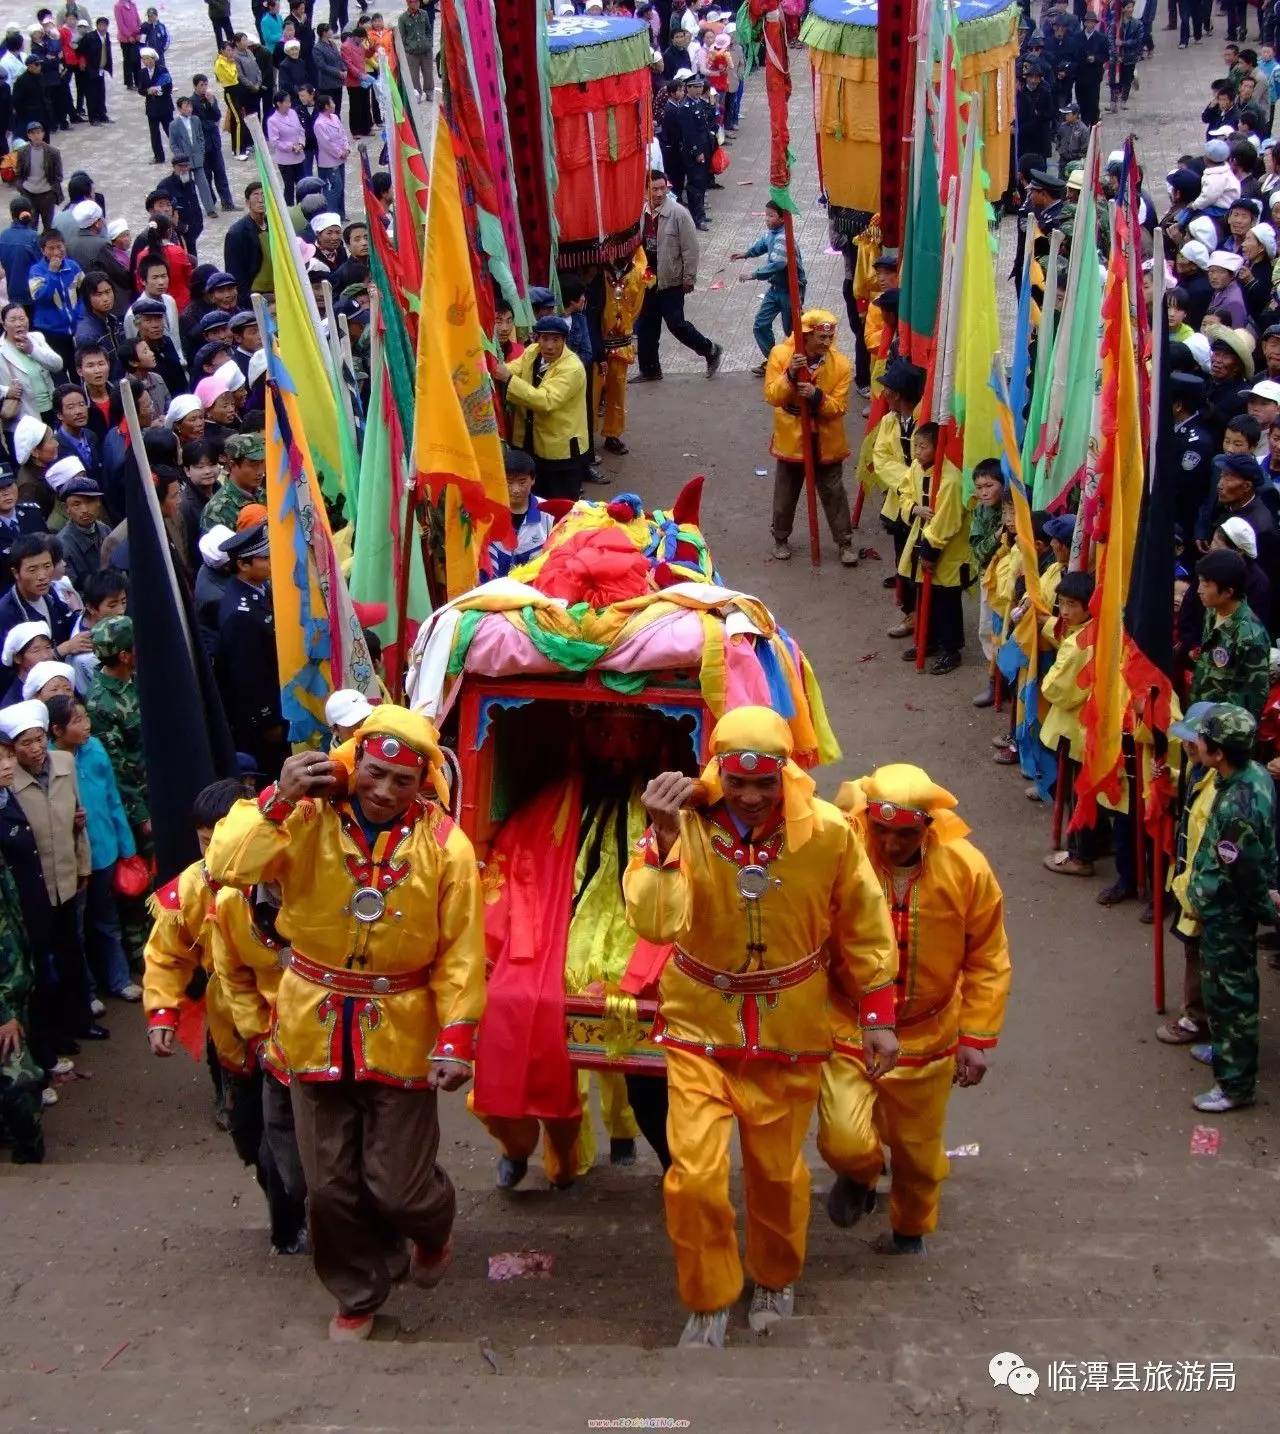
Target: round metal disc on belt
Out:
[381,985]
[368,904]
[753,882]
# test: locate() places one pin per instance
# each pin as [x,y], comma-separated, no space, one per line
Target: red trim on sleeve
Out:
[165,1019]
[273,807]
[876,1009]
[167,896]
[648,844]
[456,1042]
[979,1043]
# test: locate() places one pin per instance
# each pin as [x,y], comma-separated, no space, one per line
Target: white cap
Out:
[327,220]
[1200,351]
[210,545]
[44,672]
[182,407]
[117,227]
[292,47]
[1241,536]
[1194,252]
[1266,388]
[19,636]
[23,717]
[346,708]
[257,365]
[1266,236]
[682,74]
[1220,259]
[1205,230]
[147,50]
[86,213]
[62,472]
[28,433]
[1222,131]
[230,374]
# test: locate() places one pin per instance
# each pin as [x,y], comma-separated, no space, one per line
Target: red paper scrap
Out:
[1206,1140]
[521,1265]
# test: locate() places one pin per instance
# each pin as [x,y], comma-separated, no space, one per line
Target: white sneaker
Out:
[64,1065]
[48,1096]
[705,1331]
[131,992]
[769,1306]
[97,1007]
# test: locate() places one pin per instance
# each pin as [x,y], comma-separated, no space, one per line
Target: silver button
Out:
[381,985]
[328,980]
[711,1050]
[723,982]
[333,1070]
[773,981]
[871,1019]
[447,1049]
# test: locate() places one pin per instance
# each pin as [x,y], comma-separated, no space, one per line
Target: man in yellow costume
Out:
[380,902]
[952,984]
[772,905]
[624,290]
[181,953]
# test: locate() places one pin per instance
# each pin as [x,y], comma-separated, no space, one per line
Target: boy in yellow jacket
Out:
[891,459]
[1060,688]
[952,985]
[820,380]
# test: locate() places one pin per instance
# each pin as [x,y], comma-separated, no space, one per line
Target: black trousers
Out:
[861,357]
[216,170]
[62,984]
[95,96]
[946,618]
[665,306]
[647,1096]
[1189,22]
[159,133]
[1122,84]
[129,59]
[558,477]
[1237,22]
[223,29]
[245,1100]
[1088,91]
[695,190]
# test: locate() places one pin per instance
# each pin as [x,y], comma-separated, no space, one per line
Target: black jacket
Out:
[242,254]
[187,206]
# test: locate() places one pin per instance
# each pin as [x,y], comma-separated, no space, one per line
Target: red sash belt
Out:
[356,983]
[749,983]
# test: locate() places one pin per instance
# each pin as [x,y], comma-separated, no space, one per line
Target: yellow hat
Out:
[404,739]
[901,790]
[756,741]
[817,321]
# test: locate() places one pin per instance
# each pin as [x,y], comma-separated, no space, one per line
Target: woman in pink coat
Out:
[287,141]
[333,145]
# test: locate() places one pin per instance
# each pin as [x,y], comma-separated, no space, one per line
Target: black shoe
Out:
[616,445]
[67,1048]
[231,209]
[895,1244]
[622,1152]
[715,184]
[645,378]
[946,662]
[94,1033]
[510,1172]
[889,582]
[713,360]
[703,225]
[848,1202]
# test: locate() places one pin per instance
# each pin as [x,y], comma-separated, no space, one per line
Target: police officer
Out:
[16,520]
[1232,888]
[245,658]
[698,148]
[1194,447]
[677,128]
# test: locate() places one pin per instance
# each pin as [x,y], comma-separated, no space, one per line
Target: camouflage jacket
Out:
[16,972]
[117,723]
[1234,664]
[1235,864]
[227,504]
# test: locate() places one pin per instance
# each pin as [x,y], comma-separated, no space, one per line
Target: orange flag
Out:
[457,451]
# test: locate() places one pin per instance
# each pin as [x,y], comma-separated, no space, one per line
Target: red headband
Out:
[751,764]
[894,816]
[392,751]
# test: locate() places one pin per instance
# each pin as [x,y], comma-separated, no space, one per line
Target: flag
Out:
[186,743]
[770,32]
[921,279]
[1063,452]
[319,643]
[409,183]
[380,554]
[1118,499]
[1148,615]
[321,412]
[456,448]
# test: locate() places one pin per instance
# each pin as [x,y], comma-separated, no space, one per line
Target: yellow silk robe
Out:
[826,896]
[433,923]
[249,968]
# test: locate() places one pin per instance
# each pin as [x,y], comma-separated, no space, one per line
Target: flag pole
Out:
[1059,794]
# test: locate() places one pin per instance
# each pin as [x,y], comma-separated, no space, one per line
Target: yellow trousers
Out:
[904,1110]
[615,1111]
[518,1138]
[614,389]
[772,1105]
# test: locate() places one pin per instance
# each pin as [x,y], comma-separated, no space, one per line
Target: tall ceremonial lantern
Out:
[845,54]
[602,117]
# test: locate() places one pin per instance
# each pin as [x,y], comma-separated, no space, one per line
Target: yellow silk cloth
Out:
[249,970]
[905,1110]
[433,919]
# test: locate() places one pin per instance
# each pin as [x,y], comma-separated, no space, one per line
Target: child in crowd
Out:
[984,539]
[532,524]
[1060,688]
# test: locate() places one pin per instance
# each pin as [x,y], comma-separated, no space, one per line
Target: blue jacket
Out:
[56,306]
[105,821]
[19,249]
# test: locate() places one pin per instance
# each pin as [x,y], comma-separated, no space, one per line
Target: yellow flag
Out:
[457,453]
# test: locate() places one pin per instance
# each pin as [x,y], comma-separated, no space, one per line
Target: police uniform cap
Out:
[145,306]
[251,543]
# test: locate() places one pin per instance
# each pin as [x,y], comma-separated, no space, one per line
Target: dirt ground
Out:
[1082,1230]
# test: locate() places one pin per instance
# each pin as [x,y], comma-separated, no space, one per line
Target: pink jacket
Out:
[332,141]
[286,139]
[128,22]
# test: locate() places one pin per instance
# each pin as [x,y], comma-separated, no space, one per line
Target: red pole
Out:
[1139,827]
[807,436]
[1060,794]
[924,599]
[855,517]
[1157,902]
